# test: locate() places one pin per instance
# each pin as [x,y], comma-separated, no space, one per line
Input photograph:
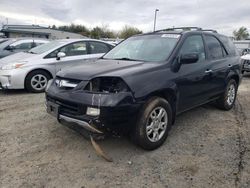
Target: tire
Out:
[149,110]
[227,100]
[38,76]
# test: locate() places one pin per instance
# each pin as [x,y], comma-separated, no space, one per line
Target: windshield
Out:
[45,47]
[152,48]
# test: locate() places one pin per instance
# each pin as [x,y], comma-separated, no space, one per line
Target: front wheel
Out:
[227,99]
[37,81]
[153,124]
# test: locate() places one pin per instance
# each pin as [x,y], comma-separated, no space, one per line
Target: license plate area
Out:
[53,109]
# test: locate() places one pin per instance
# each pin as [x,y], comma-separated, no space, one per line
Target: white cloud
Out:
[222,15]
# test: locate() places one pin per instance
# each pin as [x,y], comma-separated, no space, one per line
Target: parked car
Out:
[144,82]
[12,46]
[246,63]
[32,70]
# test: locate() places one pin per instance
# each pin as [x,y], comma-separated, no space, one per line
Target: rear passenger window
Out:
[229,45]
[24,46]
[215,49]
[194,44]
[98,47]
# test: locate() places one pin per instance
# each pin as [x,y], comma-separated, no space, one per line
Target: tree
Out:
[241,33]
[129,31]
[101,32]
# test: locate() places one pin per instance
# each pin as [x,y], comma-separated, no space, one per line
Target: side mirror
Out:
[60,55]
[10,48]
[189,58]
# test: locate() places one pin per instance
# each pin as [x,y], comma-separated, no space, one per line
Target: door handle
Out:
[209,71]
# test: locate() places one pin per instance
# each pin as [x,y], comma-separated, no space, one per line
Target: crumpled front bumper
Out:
[118,111]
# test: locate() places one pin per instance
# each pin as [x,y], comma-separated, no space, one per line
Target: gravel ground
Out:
[207,147]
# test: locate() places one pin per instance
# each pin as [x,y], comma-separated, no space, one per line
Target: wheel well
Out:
[49,73]
[170,96]
[236,78]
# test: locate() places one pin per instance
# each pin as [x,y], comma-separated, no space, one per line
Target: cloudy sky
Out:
[223,15]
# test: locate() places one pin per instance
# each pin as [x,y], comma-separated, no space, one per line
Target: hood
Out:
[15,58]
[102,67]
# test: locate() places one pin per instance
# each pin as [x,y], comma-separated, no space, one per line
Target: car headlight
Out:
[12,66]
[107,85]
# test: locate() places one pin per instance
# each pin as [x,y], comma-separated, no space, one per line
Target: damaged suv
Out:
[145,82]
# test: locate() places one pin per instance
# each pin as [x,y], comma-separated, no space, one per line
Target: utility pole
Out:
[156,10]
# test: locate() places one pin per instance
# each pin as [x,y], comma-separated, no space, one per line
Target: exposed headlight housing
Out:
[12,66]
[107,85]
[93,111]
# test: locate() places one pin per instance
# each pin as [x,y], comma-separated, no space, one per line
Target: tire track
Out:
[240,117]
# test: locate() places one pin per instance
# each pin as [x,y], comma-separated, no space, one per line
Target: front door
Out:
[193,79]
[76,53]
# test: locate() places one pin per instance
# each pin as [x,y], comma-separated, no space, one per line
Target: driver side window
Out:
[194,44]
[75,49]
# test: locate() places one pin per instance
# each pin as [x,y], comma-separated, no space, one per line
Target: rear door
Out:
[98,49]
[219,65]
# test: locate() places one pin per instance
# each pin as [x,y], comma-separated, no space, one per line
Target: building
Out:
[242,45]
[36,31]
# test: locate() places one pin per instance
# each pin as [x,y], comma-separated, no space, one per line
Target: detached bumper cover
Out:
[117,110]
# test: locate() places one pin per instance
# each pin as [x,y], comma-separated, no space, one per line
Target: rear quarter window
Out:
[229,45]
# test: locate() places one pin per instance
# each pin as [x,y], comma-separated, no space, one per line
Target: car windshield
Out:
[151,48]
[45,47]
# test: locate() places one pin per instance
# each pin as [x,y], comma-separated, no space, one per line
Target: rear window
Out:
[229,45]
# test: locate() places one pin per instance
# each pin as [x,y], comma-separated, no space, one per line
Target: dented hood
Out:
[103,67]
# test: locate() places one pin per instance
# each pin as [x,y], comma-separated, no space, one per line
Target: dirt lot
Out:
[207,147]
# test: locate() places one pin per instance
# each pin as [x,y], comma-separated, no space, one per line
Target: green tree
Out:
[129,31]
[101,32]
[241,33]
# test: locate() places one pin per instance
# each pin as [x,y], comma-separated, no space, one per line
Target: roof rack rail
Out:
[211,30]
[180,28]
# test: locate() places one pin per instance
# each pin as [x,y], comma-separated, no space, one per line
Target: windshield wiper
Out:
[31,52]
[126,59]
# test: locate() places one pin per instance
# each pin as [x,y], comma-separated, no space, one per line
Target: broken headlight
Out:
[107,85]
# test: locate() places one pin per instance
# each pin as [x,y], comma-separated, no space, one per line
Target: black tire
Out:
[28,81]
[223,102]
[139,134]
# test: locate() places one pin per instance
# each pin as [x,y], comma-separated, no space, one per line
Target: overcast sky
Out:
[223,15]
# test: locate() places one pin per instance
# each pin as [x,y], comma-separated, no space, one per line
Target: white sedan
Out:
[31,70]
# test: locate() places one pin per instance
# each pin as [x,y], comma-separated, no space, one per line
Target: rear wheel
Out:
[37,81]
[153,124]
[227,99]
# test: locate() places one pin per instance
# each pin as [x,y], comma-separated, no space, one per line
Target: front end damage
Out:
[101,106]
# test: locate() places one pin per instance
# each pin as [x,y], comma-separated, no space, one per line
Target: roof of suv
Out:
[181,30]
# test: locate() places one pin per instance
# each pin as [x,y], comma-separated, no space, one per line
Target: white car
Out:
[11,46]
[246,63]
[31,70]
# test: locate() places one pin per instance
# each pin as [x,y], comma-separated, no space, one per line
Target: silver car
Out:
[11,46]
[32,70]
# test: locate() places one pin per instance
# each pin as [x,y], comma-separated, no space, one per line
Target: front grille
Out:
[68,107]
